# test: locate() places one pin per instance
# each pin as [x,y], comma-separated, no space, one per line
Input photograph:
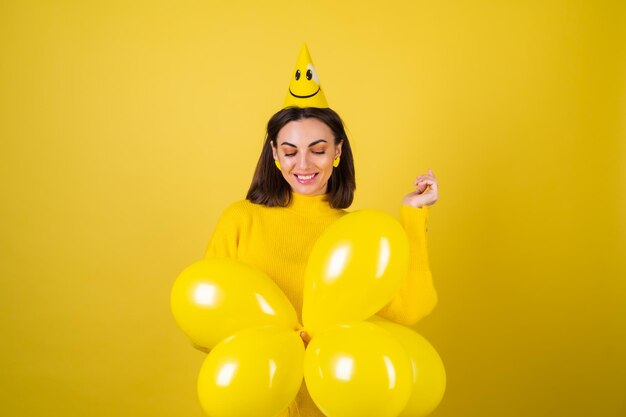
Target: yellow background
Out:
[126,128]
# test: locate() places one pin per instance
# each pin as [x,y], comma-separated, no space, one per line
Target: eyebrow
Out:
[310,144]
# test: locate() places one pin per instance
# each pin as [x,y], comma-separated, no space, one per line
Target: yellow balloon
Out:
[354,269]
[255,372]
[357,369]
[214,298]
[429,375]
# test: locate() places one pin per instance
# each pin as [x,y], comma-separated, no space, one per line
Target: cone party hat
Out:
[304,88]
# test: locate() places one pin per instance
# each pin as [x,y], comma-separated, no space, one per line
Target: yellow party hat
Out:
[304,88]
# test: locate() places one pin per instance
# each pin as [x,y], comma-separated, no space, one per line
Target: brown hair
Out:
[268,186]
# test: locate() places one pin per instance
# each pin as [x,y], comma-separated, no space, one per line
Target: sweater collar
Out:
[310,205]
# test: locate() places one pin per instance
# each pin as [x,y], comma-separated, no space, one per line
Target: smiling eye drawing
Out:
[305,91]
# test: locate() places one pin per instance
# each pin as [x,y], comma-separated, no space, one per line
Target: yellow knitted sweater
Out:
[278,240]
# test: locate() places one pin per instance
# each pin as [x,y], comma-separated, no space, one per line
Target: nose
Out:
[303,161]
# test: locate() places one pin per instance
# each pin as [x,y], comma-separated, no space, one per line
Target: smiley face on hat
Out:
[304,88]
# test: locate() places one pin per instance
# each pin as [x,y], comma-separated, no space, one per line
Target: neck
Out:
[310,204]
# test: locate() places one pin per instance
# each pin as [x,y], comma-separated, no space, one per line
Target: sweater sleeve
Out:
[225,239]
[417,296]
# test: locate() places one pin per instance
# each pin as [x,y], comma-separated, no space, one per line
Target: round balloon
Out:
[357,369]
[429,375]
[355,268]
[214,298]
[255,372]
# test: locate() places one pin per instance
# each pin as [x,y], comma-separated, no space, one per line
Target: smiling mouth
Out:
[310,95]
[305,179]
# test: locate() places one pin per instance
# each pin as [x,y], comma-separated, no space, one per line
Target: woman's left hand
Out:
[426,192]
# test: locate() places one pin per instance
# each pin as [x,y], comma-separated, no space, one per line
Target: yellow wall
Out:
[126,127]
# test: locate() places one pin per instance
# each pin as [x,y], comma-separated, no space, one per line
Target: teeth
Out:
[305,177]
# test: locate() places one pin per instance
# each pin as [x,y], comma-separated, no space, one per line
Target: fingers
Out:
[425,177]
[426,191]
[424,182]
[421,186]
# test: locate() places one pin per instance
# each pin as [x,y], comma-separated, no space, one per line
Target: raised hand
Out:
[426,191]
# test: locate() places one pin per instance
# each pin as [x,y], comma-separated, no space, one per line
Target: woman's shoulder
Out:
[237,208]
[243,208]
[235,215]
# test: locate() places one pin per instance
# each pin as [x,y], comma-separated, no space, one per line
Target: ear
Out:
[338,149]
[274,151]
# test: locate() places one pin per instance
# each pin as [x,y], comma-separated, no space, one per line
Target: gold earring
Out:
[277,163]
[336,162]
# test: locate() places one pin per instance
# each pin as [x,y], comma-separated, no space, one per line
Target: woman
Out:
[303,182]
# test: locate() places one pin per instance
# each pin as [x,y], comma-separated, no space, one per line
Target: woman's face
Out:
[306,150]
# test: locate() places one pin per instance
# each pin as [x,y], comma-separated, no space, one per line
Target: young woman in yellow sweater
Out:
[304,181]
